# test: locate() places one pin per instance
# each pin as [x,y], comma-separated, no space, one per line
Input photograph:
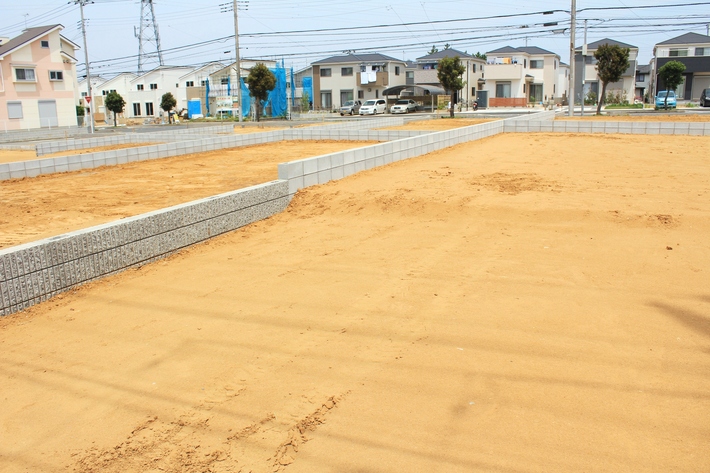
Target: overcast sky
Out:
[196,32]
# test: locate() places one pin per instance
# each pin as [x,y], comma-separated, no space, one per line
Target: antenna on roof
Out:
[147,37]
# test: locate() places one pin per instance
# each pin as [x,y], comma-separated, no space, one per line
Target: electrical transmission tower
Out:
[147,34]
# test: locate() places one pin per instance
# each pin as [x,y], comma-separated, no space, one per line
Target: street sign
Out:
[88,99]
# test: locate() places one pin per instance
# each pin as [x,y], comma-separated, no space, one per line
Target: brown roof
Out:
[27,36]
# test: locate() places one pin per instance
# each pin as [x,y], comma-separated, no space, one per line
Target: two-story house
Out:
[426,72]
[38,85]
[586,71]
[643,80]
[148,89]
[338,79]
[517,76]
[120,83]
[693,50]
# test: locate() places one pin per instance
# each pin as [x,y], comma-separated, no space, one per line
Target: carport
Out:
[424,94]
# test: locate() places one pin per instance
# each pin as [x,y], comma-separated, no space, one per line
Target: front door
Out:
[48,113]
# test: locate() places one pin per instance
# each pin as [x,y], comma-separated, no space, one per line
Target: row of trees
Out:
[261,81]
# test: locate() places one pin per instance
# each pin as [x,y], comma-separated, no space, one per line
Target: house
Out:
[586,72]
[643,80]
[693,50]
[354,77]
[516,76]
[120,83]
[147,90]
[426,72]
[38,85]
[190,84]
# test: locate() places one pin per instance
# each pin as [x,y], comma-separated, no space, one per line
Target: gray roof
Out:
[535,50]
[595,45]
[374,57]
[26,36]
[688,38]
[504,50]
[444,53]
[645,69]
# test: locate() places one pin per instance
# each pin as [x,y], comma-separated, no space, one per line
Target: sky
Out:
[193,33]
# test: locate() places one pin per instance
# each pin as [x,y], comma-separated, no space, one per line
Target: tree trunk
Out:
[600,98]
[665,101]
[451,111]
[258,111]
[114,118]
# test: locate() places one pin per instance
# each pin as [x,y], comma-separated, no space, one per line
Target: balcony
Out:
[426,76]
[382,80]
[504,72]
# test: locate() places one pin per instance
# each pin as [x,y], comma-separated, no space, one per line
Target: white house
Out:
[517,76]
[338,79]
[426,72]
[586,70]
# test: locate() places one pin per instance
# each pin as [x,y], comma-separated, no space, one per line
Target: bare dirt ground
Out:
[648,117]
[53,204]
[525,303]
[437,124]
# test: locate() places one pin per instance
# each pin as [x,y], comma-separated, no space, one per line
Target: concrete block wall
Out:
[322,169]
[634,128]
[37,271]
[43,134]
[348,134]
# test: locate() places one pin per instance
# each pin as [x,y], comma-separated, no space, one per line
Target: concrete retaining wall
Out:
[43,134]
[37,271]
[322,169]
[638,128]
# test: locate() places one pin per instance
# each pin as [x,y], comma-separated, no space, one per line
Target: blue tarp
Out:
[308,88]
[246,100]
[293,89]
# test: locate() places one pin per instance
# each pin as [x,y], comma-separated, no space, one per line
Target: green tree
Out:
[434,49]
[612,62]
[449,72]
[305,102]
[167,103]
[481,56]
[261,81]
[115,103]
[671,73]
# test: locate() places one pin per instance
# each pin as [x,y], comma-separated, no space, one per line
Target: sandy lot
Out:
[437,124]
[58,203]
[648,117]
[527,303]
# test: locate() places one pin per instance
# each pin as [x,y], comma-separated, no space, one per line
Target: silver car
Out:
[350,107]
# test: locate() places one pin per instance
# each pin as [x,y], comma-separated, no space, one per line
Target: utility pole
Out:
[89,95]
[572,58]
[584,64]
[238,65]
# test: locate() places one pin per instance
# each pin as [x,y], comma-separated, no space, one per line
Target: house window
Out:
[84,94]
[473,91]
[56,75]
[153,86]
[503,90]
[190,84]
[345,71]
[702,51]
[361,94]
[396,70]
[139,86]
[678,52]
[345,95]
[326,99]
[136,110]
[14,110]
[325,72]
[474,68]
[149,109]
[25,75]
[44,44]
[525,63]
[202,83]
[377,93]
[537,64]
[224,80]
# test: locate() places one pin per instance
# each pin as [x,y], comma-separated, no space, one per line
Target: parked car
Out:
[661,99]
[404,106]
[705,98]
[373,107]
[350,107]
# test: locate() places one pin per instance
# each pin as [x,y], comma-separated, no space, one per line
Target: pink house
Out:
[38,86]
